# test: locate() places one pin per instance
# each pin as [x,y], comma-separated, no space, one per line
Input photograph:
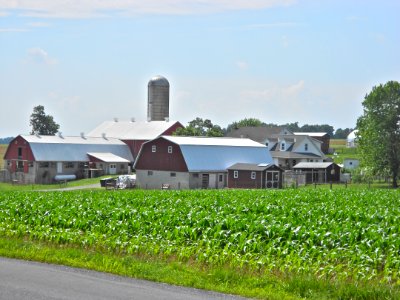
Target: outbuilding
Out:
[319,172]
[254,176]
[44,159]
[178,162]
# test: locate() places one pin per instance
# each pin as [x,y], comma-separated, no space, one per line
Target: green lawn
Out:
[341,151]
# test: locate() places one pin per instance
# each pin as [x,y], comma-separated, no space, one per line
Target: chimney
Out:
[115,120]
[132,120]
[103,135]
[83,135]
[60,135]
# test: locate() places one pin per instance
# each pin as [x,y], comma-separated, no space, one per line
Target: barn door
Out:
[205,180]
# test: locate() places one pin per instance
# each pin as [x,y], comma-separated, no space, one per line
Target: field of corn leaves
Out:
[342,234]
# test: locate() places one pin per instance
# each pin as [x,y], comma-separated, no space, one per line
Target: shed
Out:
[319,172]
[256,176]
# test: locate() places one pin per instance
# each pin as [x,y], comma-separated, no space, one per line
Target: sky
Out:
[281,61]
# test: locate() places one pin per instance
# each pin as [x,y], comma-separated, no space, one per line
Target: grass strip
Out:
[172,271]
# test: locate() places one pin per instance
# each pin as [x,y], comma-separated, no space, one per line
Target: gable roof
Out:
[72,148]
[313,134]
[217,154]
[252,167]
[259,134]
[128,130]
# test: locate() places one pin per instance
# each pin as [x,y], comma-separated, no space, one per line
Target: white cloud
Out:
[38,24]
[38,55]
[242,65]
[96,8]
[294,89]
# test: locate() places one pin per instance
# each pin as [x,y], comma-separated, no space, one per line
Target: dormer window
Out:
[266,144]
[306,147]
[283,146]
[169,149]
[153,148]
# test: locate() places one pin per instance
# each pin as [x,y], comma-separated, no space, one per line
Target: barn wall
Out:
[161,160]
[244,180]
[155,179]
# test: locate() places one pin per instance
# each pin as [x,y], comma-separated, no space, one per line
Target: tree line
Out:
[205,127]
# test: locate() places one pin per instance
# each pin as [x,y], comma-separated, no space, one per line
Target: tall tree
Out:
[379,130]
[41,123]
[200,127]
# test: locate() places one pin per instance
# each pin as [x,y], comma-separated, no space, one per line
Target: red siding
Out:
[161,160]
[172,129]
[134,146]
[244,180]
[12,150]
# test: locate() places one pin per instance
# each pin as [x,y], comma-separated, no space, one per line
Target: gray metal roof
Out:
[217,154]
[251,167]
[56,148]
[128,130]
[293,155]
[312,165]
[312,134]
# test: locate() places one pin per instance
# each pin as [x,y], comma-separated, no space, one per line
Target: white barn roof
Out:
[67,148]
[128,130]
[217,154]
[108,157]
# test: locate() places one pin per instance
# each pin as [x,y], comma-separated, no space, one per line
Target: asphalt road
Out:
[31,280]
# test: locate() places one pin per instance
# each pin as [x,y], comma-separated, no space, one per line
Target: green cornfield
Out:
[332,234]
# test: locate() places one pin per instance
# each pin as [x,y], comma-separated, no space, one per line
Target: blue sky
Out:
[87,61]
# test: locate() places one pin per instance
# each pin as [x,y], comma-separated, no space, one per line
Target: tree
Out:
[246,122]
[41,123]
[200,127]
[342,133]
[379,130]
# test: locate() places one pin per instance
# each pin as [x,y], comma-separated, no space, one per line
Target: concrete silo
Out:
[158,99]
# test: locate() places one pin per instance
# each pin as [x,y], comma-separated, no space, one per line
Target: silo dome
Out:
[158,81]
[158,99]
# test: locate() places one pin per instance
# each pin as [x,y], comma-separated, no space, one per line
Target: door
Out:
[272,179]
[59,167]
[112,169]
[205,180]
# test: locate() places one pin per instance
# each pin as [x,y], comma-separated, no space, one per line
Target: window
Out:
[195,175]
[283,146]
[266,144]
[69,165]
[253,175]
[169,149]
[235,174]
[220,178]
[113,166]
[44,164]
[305,147]
[172,174]
[149,173]
[122,167]
[19,152]
[30,164]
[294,162]
[153,148]
[20,164]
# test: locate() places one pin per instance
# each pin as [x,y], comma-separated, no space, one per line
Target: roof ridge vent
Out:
[60,135]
